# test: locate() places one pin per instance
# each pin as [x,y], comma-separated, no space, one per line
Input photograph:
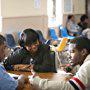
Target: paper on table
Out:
[14,75]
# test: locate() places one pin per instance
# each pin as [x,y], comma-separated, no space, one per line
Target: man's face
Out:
[72,18]
[34,47]
[86,21]
[76,56]
[2,51]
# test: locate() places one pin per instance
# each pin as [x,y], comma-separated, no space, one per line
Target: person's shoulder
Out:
[1,67]
[80,24]
[87,60]
[44,47]
[85,66]
[21,52]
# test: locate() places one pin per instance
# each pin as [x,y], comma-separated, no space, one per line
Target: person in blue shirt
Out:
[72,27]
[6,81]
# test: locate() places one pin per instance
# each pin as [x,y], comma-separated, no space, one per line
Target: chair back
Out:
[19,35]
[53,34]
[64,33]
[10,41]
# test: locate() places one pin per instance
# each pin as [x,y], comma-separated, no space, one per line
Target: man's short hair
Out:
[70,16]
[82,43]
[2,39]
[83,17]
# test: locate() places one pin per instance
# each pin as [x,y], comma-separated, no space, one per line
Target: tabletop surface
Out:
[51,76]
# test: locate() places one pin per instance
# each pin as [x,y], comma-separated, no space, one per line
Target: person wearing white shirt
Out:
[81,81]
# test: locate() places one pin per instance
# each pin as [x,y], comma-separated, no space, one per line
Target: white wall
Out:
[0,7]
[21,14]
[0,18]
[17,8]
[59,12]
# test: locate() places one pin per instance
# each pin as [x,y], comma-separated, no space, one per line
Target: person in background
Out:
[72,27]
[32,50]
[6,81]
[83,24]
[81,81]
[86,33]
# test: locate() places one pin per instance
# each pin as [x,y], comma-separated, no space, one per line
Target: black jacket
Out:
[44,60]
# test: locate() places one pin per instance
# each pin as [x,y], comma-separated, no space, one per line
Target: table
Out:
[42,75]
[52,76]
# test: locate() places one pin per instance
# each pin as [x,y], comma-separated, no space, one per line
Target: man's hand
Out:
[21,82]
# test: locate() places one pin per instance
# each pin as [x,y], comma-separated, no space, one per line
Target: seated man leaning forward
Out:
[6,81]
[81,81]
[32,52]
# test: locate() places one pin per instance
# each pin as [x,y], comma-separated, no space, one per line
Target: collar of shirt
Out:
[87,58]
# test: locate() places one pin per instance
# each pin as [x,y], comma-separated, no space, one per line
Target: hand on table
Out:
[21,82]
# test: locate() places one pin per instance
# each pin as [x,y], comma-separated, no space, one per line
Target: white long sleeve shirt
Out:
[81,81]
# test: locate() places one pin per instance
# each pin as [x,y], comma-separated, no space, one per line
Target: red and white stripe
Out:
[78,83]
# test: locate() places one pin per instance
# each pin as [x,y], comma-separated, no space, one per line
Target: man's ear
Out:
[84,52]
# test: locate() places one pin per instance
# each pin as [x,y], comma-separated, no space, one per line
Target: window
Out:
[68,6]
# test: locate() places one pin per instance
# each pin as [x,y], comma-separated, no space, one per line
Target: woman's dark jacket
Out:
[44,59]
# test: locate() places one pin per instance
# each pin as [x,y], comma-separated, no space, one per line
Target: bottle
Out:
[32,62]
